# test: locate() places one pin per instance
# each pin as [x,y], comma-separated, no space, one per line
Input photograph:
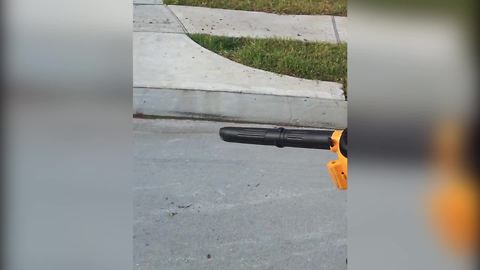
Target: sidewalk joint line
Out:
[337,36]
[178,20]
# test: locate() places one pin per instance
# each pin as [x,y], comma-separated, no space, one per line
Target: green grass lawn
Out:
[327,7]
[309,60]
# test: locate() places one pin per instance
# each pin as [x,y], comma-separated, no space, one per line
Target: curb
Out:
[240,107]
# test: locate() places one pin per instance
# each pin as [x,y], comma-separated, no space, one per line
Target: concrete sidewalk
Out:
[237,23]
[175,77]
[151,15]
[155,18]
[147,2]
[172,61]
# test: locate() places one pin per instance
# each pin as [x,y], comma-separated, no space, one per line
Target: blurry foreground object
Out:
[67,129]
[454,200]
[411,66]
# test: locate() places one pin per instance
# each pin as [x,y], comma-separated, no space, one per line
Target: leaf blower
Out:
[333,140]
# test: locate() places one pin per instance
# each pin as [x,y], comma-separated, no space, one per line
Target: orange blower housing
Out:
[338,169]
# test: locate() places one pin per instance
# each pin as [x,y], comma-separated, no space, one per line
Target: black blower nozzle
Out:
[280,137]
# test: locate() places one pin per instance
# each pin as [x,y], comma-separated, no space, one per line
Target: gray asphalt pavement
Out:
[201,203]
